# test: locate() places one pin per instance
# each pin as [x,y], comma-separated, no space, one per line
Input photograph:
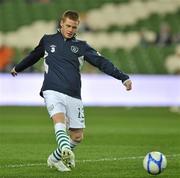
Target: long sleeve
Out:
[94,58]
[32,58]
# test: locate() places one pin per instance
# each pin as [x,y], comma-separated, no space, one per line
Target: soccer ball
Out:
[154,162]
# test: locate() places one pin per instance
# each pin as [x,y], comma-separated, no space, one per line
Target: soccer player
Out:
[61,89]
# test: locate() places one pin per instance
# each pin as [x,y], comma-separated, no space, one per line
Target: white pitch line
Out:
[82,161]
[21,165]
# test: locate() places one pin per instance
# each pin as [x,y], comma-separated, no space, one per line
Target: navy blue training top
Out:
[63,59]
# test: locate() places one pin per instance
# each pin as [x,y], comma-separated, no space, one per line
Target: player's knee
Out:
[78,137]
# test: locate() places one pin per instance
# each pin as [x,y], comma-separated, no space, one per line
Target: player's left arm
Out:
[94,58]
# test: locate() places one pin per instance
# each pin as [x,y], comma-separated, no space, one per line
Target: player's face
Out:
[69,27]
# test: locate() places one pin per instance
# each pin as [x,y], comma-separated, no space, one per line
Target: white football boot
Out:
[68,158]
[60,166]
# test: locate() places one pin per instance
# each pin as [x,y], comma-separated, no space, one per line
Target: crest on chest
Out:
[74,49]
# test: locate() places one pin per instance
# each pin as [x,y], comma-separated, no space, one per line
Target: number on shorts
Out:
[81,113]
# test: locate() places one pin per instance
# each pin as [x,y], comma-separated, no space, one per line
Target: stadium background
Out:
[131,25]
[123,30]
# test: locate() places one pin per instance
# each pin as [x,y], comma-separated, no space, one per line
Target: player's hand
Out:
[13,72]
[128,84]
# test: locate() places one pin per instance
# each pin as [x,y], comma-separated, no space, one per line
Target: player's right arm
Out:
[29,60]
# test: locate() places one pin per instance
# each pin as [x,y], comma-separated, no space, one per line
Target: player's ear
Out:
[61,23]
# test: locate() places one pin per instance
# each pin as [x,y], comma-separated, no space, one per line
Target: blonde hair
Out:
[73,15]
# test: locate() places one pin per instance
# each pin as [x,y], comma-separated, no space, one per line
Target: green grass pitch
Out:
[116,140]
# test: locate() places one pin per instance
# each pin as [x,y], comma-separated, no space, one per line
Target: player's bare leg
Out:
[76,136]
